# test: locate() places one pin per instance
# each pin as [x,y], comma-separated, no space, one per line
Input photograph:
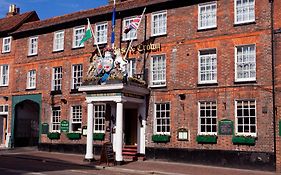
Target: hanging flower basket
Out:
[74,136]
[161,138]
[243,140]
[98,136]
[209,139]
[53,135]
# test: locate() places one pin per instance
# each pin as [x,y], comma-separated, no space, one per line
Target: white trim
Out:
[159,13]
[235,14]
[71,118]
[33,48]
[199,117]
[130,19]
[154,118]
[151,73]
[61,47]
[51,125]
[103,117]
[96,32]
[2,76]
[72,75]
[53,78]
[74,37]
[235,57]
[199,14]
[9,44]
[199,67]
[29,78]
[236,120]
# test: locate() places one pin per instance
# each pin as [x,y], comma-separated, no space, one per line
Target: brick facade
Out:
[181,46]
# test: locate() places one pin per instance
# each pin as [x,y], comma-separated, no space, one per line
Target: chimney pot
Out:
[13,10]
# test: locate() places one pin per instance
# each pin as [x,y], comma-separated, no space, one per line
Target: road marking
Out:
[80,171]
[33,173]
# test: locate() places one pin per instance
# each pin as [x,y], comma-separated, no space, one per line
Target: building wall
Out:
[181,46]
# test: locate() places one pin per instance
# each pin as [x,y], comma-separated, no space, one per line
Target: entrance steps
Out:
[130,153]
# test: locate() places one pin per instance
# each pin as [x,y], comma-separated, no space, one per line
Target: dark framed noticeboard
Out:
[225,127]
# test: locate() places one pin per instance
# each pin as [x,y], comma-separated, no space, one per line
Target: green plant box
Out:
[241,140]
[98,136]
[53,135]
[74,136]
[161,138]
[206,139]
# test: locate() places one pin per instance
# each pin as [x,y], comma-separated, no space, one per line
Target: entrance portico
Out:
[118,96]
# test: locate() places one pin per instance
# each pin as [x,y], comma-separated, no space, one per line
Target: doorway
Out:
[26,124]
[130,127]
[3,129]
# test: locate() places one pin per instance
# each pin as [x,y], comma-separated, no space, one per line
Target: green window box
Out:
[98,136]
[161,138]
[209,139]
[74,136]
[243,140]
[53,135]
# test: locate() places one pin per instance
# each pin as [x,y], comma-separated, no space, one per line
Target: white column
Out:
[89,150]
[113,126]
[141,128]
[119,132]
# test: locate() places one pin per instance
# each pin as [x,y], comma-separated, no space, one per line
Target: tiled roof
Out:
[129,4]
[13,22]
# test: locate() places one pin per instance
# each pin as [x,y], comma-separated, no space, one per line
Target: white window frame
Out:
[4,78]
[200,132]
[249,70]
[55,119]
[4,109]
[160,13]
[33,46]
[101,115]
[57,79]
[132,34]
[78,37]
[162,82]
[77,75]
[207,21]
[243,21]
[253,134]
[162,118]
[76,117]
[211,71]
[7,45]
[31,79]
[58,44]
[131,67]
[101,35]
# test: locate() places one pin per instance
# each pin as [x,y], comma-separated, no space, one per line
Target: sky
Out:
[50,8]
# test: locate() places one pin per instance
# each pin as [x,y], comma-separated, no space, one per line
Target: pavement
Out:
[139,167]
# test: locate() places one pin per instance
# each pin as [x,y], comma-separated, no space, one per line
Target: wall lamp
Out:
[63,100]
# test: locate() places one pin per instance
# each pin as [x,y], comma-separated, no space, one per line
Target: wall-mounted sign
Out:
[183,134]
[225,127]
[149,47]
[45,128]
[64,126]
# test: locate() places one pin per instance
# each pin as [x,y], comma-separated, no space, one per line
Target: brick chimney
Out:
[116,1]
[13,10]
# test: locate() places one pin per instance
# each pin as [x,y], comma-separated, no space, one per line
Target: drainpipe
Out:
[273,75]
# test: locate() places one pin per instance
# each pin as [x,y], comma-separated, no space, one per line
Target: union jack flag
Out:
[133,25]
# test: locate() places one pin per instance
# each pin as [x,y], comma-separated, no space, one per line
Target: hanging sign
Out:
[64,126]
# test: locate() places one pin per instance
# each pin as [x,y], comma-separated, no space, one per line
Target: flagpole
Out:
[94,36]
[113,23]
[136,32]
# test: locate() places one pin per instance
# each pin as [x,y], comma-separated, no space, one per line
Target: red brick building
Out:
[211,73]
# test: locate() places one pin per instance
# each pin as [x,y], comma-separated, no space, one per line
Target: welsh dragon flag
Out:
[88,34]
